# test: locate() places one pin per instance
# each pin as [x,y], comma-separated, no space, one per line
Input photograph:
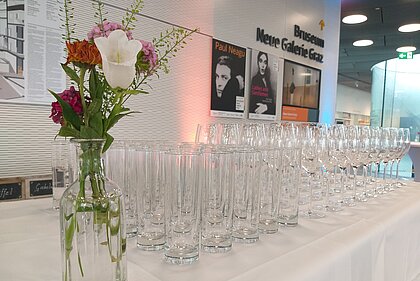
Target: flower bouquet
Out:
[106,69]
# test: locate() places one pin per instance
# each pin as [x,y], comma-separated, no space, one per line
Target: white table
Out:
[376,241]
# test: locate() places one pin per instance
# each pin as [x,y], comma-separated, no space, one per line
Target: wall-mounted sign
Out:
[405,55]
[11,190]
[263,89]
[228,80]
[291,46]
[40,187]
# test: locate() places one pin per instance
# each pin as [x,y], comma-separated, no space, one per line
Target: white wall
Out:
[353,100]
[181,99]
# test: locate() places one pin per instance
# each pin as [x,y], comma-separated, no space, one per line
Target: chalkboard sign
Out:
[10,191]
[40,187]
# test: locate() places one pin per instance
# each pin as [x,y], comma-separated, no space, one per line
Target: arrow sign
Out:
[322,24]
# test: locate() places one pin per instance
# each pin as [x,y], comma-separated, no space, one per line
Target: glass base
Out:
[268,226]
[150,247]
[216,248]
[216,242]
[181,254]
[246,240]
[245,235]
[151,241]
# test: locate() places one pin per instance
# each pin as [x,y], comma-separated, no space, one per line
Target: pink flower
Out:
[105,29]
[72,97]
[149,55]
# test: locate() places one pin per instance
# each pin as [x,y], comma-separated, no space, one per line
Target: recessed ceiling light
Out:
[409,27]
[406,49]
[354,19]
[362,43]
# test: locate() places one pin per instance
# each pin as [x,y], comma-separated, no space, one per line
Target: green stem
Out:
[82,94]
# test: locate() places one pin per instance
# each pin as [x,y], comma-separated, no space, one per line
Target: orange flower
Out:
[83,53]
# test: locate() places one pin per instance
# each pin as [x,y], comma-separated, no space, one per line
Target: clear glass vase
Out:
[92,223]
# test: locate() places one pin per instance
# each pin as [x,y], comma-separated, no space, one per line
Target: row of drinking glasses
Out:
[244,180]
[331,155]
[330,150]
[187,196]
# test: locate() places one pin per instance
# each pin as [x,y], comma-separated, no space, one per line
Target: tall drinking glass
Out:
[182,204]
[217,200]
[151,181]
[247,162]
[60,161]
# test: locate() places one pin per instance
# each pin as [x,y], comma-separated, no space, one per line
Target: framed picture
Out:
[263,88]
[228,80]
[301,91]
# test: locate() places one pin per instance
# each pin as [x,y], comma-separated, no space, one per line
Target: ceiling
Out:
[384,18]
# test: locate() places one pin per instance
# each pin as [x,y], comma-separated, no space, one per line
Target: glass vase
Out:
[92,223]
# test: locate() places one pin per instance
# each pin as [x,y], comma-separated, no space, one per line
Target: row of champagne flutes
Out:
[340,151]
[331,157]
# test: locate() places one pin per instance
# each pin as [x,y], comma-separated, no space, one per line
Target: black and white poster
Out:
[263,89]
[228,80]
[31,50]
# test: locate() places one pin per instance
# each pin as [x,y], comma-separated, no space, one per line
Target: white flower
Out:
[119,56]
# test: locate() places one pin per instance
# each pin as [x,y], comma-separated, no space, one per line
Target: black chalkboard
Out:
[10,191]
[40,187]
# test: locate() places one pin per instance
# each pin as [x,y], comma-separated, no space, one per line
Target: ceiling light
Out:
[362,43]
[406,49]
[409,27]
[354,19]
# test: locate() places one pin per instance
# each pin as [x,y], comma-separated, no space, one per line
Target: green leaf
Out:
[93,79]
[69,132]
[70,72]
[117,118]
[69,233]
[135,92]
[89,133]
[96,123]
[68,113]
[95,106]
[117,109]
[108,141]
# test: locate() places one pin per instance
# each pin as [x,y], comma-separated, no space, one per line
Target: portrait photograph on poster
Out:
[263,88]
[301,89]
[228,80]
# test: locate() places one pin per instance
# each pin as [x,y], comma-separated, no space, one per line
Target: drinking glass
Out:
[404,148]
[60,169]
[289,186]
[183,167]
[247,162]
[311,165]
[150,176]
[270,189]
[217,200]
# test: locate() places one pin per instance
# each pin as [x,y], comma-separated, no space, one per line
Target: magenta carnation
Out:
[72,97]
[106,29]
[149,54]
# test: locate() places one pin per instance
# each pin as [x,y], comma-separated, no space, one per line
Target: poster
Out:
[30,51]
[301,88]
[263,88]
[228,80]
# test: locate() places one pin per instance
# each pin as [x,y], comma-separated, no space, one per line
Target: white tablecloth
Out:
[379,241]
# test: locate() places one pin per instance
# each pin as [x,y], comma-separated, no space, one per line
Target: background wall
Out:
[352,100]
[180,100]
